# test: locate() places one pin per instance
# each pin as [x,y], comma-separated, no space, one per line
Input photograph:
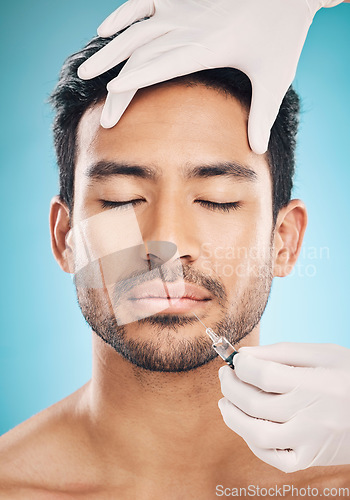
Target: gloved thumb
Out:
[284,460]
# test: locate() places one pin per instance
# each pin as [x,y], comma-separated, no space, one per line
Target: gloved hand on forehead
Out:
[262,38]
[290,402]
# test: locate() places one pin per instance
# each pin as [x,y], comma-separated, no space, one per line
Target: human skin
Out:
[130,432]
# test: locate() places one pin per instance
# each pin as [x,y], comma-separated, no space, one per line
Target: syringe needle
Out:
[199,319]
[208,331]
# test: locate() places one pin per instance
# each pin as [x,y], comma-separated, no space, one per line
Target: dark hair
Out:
[73,96]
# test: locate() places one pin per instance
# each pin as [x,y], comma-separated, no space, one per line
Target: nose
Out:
[168,223]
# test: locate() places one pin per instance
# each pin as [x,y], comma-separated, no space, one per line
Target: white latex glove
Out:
[290,396]
[262,38]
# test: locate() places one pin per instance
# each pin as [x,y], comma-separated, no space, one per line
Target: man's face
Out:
[194,139]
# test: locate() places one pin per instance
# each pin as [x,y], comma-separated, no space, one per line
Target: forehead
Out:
[169,126]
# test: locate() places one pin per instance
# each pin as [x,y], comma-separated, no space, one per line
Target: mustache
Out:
[176,271]
[127,268]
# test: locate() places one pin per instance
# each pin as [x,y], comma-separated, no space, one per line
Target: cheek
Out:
[234,249]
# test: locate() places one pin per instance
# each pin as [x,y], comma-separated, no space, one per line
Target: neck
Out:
[133,411]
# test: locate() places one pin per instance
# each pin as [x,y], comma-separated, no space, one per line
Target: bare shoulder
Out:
[40,454]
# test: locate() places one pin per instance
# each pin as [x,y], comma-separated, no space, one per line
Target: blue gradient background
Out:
[45,345]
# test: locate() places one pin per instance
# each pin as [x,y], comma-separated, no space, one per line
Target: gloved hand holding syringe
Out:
[290,403]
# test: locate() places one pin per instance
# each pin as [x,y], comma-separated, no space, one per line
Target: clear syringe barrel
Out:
[223,347]
[225,350]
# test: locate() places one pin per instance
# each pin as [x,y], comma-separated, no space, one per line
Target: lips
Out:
[157,289]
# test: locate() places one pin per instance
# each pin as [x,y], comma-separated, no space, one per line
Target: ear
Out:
[289,233]
[59,227]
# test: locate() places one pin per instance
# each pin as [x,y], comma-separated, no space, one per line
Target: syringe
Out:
[221,345]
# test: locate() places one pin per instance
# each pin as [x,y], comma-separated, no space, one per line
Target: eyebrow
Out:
[229,169]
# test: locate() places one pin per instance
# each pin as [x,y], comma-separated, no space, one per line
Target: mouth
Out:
[169,297]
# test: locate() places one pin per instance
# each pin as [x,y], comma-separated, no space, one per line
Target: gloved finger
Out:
[267,375]
[254,401]
[263,112]
[159,63]
[114,107]
[126,14]
[298,457]
[120,48]
[301,354]
[284,460]
[256,432]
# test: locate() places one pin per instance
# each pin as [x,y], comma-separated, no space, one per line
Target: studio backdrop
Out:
[45,345]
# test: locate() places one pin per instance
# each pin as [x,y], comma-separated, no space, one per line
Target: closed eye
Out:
[222,207]
[118,204]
